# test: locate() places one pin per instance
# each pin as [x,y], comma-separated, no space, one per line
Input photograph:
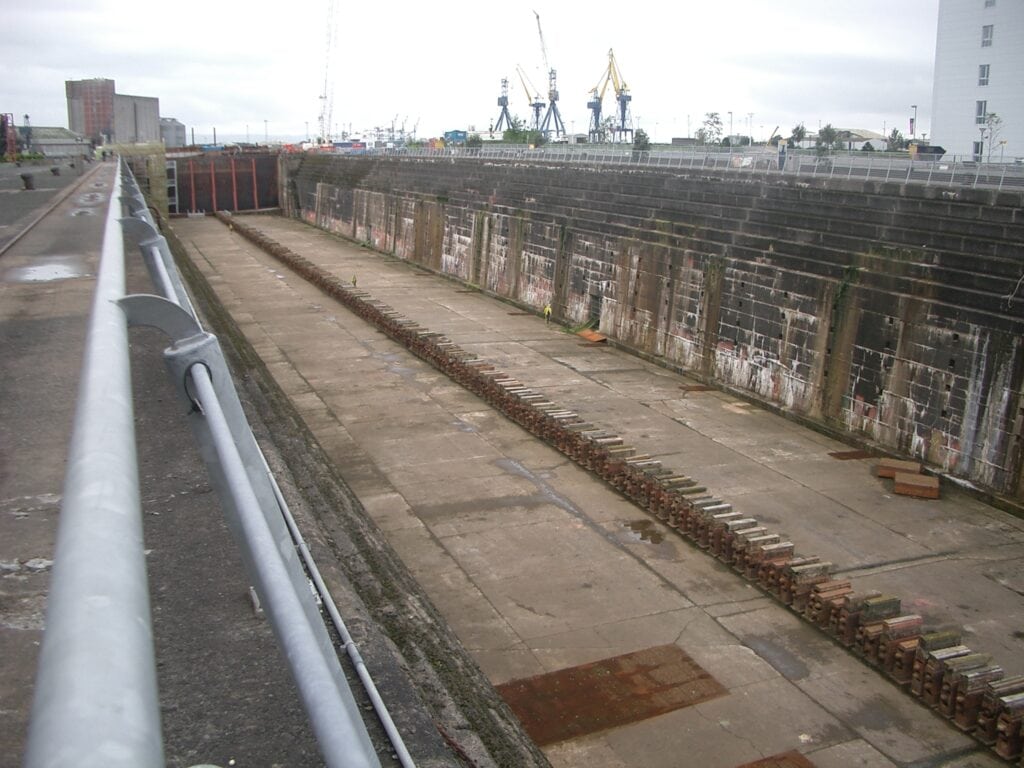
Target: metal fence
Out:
[864,166]
[96,688]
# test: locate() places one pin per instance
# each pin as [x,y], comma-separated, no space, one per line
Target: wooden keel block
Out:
[889,467]
[918,486]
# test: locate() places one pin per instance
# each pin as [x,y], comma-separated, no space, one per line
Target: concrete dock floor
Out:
[538,566]
[226,696]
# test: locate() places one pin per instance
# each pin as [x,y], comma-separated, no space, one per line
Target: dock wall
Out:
[889,313]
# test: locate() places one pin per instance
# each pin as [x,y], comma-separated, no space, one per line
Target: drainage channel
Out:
[968,688]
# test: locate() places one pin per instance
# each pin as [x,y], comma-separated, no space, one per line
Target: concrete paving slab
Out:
[590,750]
[826,528]
[584,579]
[962,522]
[731,730]
[478,623]
[851,754]
[793,648]
[884,720]
[390,511]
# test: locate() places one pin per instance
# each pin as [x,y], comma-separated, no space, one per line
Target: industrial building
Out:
[103,116]
[52,142]
[172,133]
[979,63]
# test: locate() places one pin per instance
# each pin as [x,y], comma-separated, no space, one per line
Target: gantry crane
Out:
[596,133]
[504,119]
[535,102]
[622,129]
[552,118]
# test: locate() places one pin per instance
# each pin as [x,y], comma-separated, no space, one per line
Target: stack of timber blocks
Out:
[907,478]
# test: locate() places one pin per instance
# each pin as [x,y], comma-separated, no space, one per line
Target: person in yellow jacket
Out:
[547,313]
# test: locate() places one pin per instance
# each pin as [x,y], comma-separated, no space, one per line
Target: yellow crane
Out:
[535,101]
[622,128]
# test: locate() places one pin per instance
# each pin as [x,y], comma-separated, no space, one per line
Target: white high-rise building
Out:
[979,72]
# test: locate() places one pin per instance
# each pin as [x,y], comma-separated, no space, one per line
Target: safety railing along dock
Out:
[96,698]
[765,161]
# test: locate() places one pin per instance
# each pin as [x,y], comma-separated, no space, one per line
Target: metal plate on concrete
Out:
[791,759]
[850,455]
[604,694]
[592,336]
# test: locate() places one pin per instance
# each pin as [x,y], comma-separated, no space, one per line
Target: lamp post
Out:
[913,122]
[730,130]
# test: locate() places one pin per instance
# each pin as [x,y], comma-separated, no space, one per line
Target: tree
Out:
[993,124]
[867,147]
[474,140]
[827,138]
[608,125]
[711,128]
[518,133]
[896,140]
[640,140]
[798,134]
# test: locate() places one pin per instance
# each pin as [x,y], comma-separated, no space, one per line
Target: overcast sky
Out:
[438,66]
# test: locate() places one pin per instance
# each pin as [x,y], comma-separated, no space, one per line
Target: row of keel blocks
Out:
[972,692]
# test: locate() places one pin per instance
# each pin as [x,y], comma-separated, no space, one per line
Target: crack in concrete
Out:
[725,725]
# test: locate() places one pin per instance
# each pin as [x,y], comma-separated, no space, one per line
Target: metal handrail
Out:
[96,696]
[868,166]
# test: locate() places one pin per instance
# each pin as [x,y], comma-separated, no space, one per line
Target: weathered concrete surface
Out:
[537,566]
[45,290]
[225,692]
[889,313]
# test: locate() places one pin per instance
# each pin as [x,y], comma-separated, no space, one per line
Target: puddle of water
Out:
[83,212]
[645,530]
[91,198]
[56,268]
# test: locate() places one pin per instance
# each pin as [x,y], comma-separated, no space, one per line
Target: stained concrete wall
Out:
[889,313]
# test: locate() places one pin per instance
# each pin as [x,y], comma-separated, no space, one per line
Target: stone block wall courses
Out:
[891,313]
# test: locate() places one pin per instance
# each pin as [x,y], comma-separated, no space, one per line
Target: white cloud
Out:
[231,66]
